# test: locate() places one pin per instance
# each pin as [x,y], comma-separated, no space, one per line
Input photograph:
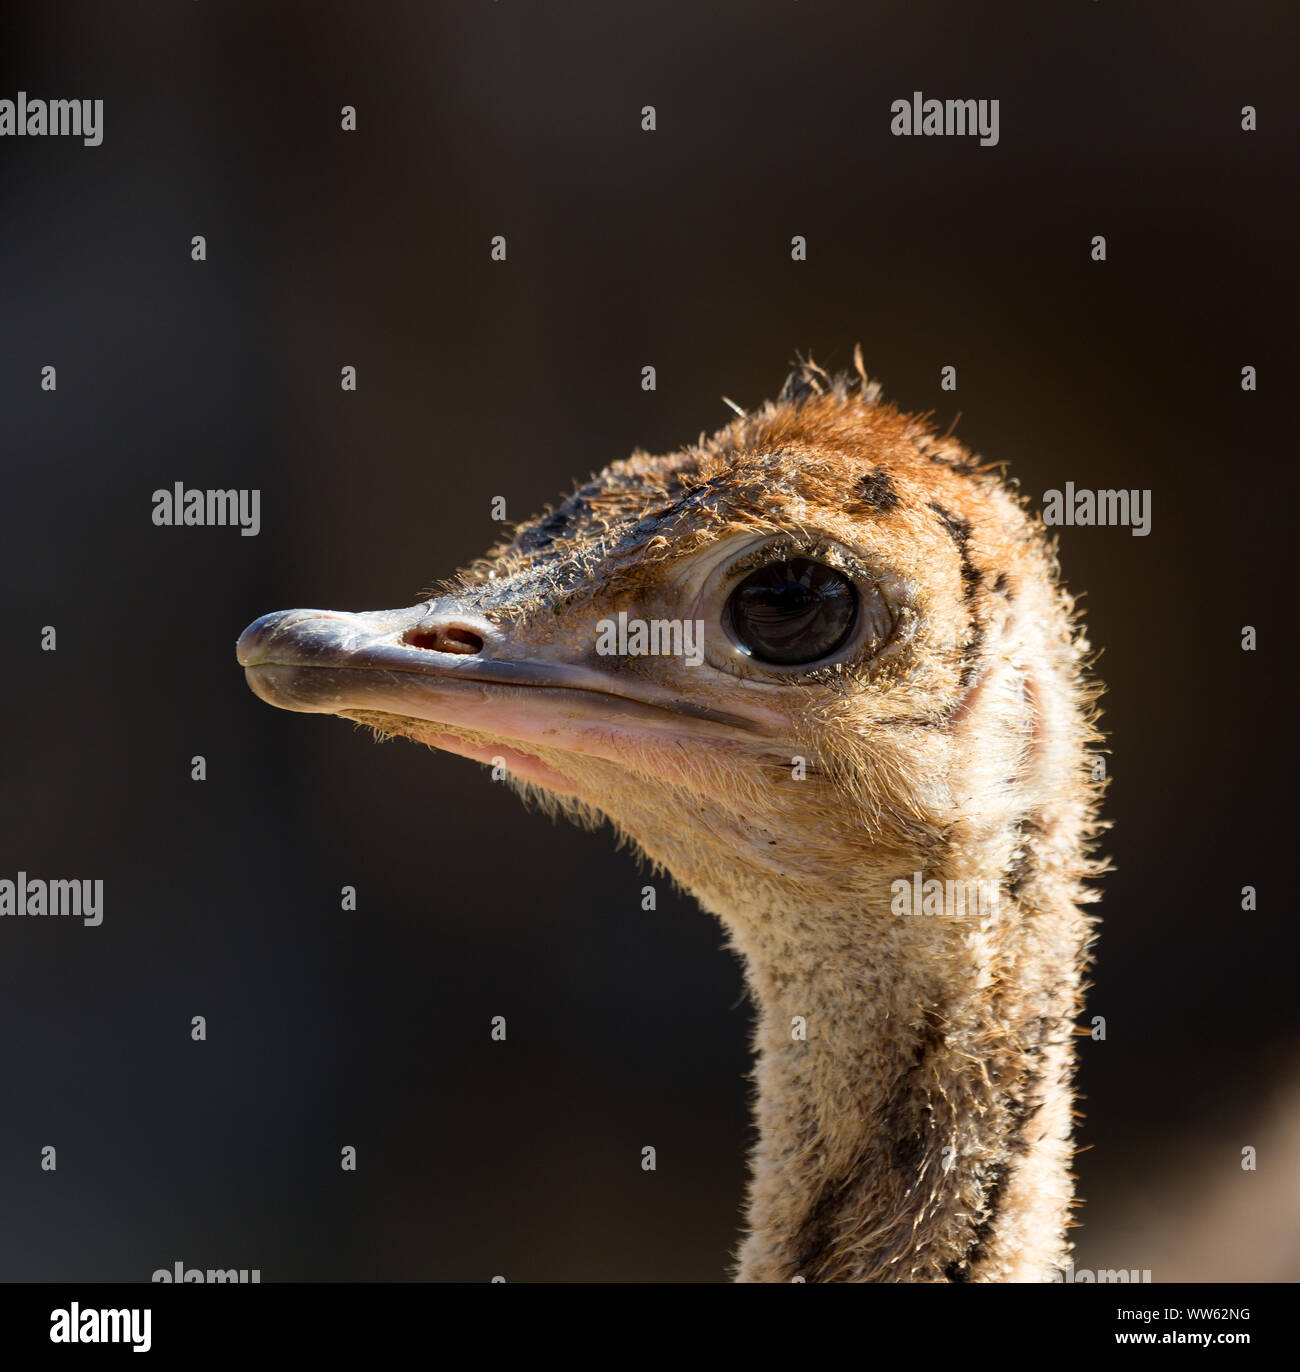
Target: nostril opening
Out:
[444,638]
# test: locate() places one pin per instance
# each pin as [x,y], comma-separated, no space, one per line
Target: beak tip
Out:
[250,650]
[252,638]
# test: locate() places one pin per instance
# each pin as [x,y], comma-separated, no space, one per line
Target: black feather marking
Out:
[814,1243]
[959,529]
[876,489]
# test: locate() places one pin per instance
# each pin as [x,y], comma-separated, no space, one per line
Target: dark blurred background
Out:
[480,379]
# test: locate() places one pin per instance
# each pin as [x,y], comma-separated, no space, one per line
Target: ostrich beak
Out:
[413,670]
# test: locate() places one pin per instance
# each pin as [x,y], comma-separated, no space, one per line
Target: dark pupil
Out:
[796,611]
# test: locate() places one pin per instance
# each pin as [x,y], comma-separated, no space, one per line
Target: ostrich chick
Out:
[880,692]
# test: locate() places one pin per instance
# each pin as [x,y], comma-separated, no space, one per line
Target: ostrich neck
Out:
[913,1105]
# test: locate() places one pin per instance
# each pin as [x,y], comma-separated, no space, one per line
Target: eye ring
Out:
[792,612]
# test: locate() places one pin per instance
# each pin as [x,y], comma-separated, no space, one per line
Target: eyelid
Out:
[785,547]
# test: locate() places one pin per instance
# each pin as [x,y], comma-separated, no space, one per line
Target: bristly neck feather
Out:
[911,1127]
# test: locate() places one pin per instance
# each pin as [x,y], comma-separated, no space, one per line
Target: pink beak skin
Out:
[443,664]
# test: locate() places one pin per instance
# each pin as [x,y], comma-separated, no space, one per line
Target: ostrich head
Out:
[820,669]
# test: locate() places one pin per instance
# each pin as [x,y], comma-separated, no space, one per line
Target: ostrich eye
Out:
[792,612]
